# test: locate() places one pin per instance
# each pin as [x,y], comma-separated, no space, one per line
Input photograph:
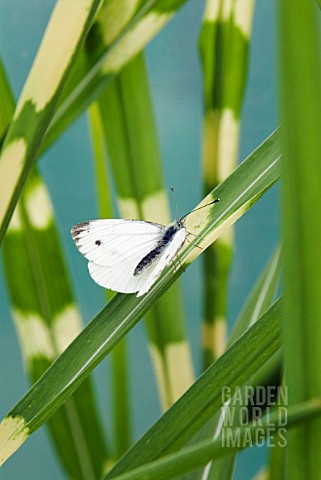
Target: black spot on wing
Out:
[98,242]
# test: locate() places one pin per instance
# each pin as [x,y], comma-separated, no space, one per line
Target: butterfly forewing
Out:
[109,242]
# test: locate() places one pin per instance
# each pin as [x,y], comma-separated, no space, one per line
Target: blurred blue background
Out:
[175,79]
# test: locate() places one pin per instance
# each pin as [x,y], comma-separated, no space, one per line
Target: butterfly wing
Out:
[119,277]
[156,268]
[107,242]
[114,248]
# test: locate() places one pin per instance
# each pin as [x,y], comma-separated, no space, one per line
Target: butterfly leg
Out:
[179,263]
[194,244]
[190,233]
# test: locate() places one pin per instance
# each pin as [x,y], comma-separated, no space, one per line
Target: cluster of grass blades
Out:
[98,65]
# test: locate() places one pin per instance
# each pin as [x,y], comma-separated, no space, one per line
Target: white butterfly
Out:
[128,256]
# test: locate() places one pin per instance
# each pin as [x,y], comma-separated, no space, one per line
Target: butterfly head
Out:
[179,222]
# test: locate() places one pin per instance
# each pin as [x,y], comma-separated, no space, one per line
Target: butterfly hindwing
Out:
[119,277]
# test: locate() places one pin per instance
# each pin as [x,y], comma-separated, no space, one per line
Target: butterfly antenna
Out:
[172,188]
[199,208]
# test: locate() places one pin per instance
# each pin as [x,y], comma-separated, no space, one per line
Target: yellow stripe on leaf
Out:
[58,46]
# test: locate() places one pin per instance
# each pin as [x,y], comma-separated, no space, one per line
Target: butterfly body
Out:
[164,241]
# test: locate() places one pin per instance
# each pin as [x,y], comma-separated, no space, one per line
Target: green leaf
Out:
[7,103]
[188,459]
[260,298]
[47,320]
[119,364]
[128,121]
[300,80]
[224,43]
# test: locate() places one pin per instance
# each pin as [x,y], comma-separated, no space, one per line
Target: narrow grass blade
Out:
[104,201]
[243,188]
[128,121]
[120,371]
[259,301]
[224,43]
[64,34]
[260,298]
[47,321]
[7,103]
[300,80]
[189,459]
[276,466]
